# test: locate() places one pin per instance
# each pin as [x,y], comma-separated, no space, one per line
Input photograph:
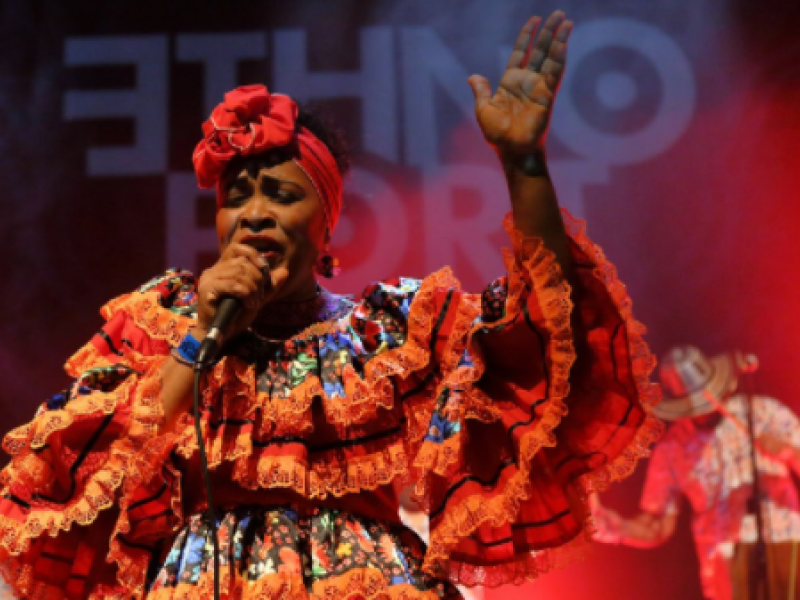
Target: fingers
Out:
[526,86]
[237,278]
[545,53]
[556,60]
[542,46]
[519,53]
[240,273]
[480,89]
[244,251]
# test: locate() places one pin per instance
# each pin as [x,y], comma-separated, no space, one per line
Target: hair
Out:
[328,132]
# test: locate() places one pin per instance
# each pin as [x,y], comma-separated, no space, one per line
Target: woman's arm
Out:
[177,379]
[515,120]
[240,273]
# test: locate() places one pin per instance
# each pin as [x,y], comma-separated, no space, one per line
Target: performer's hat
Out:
[695,385]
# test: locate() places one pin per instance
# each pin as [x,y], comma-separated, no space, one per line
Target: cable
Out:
[201,447]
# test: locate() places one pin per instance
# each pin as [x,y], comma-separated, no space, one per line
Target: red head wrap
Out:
[252,121]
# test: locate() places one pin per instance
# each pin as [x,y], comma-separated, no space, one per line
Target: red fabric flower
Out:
[249,121]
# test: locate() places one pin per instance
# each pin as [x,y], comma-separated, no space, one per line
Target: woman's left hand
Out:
[515,118]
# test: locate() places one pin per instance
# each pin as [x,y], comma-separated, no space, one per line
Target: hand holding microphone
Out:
[230,295]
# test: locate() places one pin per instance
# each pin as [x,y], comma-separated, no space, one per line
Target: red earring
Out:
[327,265]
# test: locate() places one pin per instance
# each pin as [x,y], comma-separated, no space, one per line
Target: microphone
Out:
[227,311]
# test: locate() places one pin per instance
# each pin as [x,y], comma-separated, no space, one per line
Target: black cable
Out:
[201,448]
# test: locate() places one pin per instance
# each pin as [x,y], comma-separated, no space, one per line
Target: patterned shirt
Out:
[712,468]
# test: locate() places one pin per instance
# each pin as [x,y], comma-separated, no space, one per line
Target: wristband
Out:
[187,349]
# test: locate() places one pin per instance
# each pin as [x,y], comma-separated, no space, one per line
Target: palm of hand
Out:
[515,118]
[513,123]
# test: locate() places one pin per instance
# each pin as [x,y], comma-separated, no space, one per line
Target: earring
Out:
[327,266]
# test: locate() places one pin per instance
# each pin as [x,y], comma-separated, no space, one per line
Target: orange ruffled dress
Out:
[503,410]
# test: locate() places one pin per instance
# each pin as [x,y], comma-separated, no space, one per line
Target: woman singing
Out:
[502,409]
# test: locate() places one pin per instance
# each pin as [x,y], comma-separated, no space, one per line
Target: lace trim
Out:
[132,459]
[84,359]
[642,360]
[436,458]
[376,389]
[524,568]
[231,385]
[530,264]
[36,433]
[132,563]
[369,584]
[100,489]
[20,577]
[464,519]
[146,311]
[330,474]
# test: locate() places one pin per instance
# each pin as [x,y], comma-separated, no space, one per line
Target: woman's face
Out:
[273,207]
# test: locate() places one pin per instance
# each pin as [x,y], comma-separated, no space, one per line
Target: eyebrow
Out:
[265,179]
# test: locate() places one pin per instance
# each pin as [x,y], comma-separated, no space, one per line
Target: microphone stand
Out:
[758,581]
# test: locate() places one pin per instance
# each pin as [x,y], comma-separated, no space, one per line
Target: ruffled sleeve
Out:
[541,395]
[90,473]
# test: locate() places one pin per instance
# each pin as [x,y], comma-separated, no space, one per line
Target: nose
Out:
[258,214]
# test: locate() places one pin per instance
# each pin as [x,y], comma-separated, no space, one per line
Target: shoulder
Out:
[175,290]
[401,292]
[163,308]
[394,293]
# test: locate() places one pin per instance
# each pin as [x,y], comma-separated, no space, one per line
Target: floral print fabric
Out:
[258,543]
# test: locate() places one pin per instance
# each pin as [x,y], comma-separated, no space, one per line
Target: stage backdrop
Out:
[676,137]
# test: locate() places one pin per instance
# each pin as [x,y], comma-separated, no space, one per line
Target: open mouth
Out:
[265,245]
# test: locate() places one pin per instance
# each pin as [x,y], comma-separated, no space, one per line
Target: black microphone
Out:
[227,311]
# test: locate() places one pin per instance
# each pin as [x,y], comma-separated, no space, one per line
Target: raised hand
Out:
[515,118]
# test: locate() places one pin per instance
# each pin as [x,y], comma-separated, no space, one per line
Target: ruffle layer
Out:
[25,584]
[523,568]
[146,311]
[531,267]
[367,584]
[642,360]
[232,421]
[231,388]
[34,471]
[103,481]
